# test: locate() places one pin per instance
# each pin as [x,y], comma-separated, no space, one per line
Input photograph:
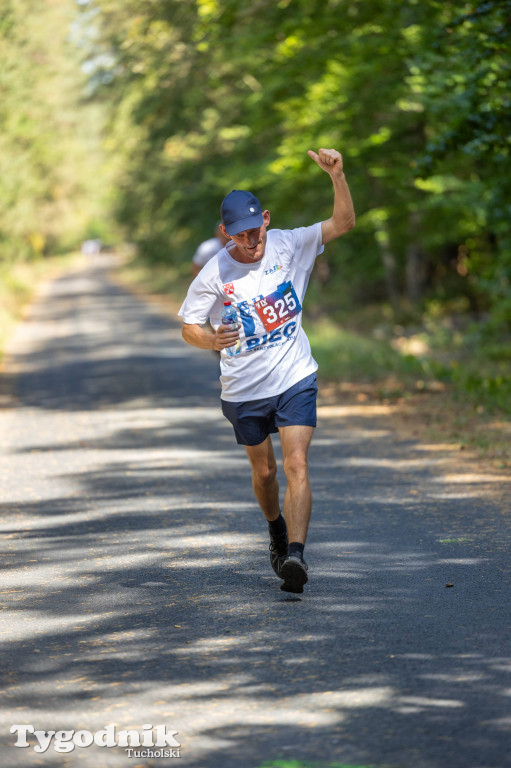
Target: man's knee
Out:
[264,474]
[296,466]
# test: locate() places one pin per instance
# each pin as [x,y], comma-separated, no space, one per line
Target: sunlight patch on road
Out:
[503,723]
[395,464]
[412,705]
[32,624]
[463,561]
[214,541]
[462,495]
[351,436]
[471,477]
[343,411]
[437,447]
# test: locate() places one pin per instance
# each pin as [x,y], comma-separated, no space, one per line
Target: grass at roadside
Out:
[449,382]
[18,285]
[300,764]
[352,357]
[453,390]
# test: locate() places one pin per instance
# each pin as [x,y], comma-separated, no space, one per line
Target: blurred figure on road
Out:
[207,250]
[91,247]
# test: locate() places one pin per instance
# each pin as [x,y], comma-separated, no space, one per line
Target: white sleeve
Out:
[199,302]
[307,245]
[299,246]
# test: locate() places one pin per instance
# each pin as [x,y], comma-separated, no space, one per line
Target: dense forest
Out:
[143,114]
[50,163]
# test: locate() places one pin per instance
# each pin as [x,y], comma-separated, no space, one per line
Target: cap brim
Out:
[252,222]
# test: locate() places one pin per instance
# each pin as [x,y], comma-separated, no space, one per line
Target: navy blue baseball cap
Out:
[241,210]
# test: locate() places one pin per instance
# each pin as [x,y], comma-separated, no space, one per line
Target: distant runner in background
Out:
[207,250]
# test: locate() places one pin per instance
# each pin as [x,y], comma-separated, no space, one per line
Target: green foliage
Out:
[352,357]
[466,72]
[205,96]
[210,96]
[300,764]
[49,166]
[483,382]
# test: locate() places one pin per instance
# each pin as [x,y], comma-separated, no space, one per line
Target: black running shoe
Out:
[294,572]
[278,551]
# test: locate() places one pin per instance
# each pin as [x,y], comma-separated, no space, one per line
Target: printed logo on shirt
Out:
[229,289]
[273,269]
[272,339]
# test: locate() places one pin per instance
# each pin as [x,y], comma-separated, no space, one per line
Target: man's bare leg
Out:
[298,497]
[297,504]
[264,478]
[266,489]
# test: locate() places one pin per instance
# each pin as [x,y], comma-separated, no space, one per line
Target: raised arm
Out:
[343,216]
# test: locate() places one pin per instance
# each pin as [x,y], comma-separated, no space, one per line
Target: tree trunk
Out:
[414,261]
[389,265]
[387,256]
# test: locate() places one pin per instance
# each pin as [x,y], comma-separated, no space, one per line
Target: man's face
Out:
[251,243]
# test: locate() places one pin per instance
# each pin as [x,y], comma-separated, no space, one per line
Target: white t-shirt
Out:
[206,251]
[273,353]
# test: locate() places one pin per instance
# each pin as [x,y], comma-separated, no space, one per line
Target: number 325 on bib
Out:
[279,307]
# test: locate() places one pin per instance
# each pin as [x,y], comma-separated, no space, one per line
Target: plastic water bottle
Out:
[230,317]
[229,314]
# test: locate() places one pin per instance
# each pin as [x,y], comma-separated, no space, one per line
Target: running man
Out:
[269,379]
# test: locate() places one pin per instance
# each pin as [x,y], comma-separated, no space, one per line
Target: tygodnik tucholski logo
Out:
[152,741]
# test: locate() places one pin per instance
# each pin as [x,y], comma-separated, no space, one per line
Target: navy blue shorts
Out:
[254,420]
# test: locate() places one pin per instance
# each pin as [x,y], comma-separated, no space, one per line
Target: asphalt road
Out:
[136,581]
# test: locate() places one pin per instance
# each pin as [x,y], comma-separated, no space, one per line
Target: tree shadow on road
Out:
[137,586]
[148,597]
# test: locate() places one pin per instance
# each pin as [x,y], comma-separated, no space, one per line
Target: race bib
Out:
[279,307]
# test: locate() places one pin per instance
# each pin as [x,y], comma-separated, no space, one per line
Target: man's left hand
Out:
[329,160]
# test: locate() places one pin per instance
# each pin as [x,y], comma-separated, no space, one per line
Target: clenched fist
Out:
[329,160]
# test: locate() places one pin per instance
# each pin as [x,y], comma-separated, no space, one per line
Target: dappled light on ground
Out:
[136,581]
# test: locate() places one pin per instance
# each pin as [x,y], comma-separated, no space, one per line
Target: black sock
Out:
[277,527]
[295,549]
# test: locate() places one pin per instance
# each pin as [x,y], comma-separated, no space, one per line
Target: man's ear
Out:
[266,218]
[223,231]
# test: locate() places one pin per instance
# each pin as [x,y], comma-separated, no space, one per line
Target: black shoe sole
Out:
[277,568]
[280,542]
[295,576]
